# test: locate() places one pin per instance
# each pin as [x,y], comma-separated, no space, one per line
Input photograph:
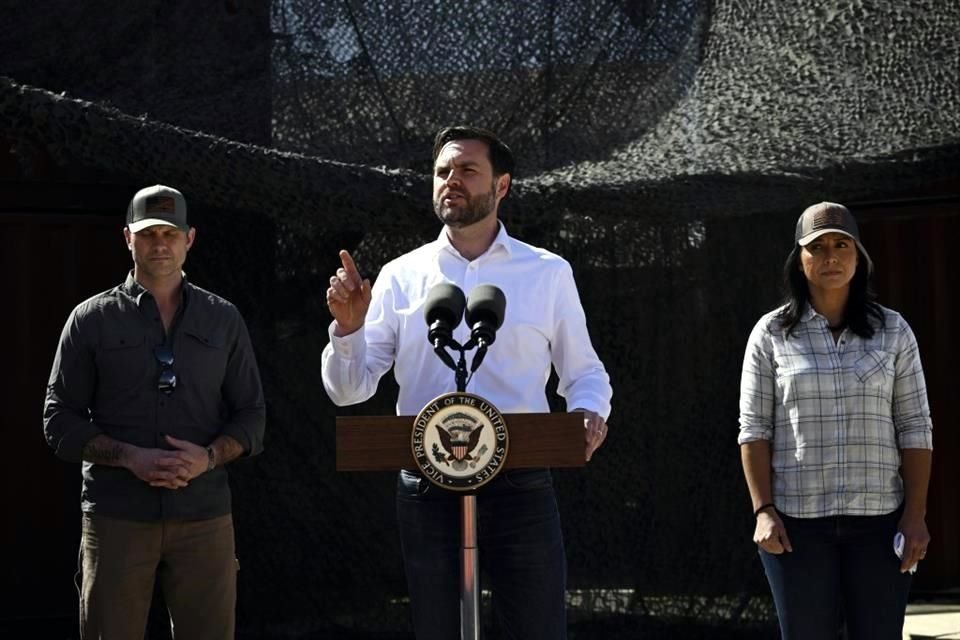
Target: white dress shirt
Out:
[543,324]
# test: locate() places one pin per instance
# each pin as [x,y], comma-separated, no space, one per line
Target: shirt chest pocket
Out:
[202,359]
[122,363]
[874,368]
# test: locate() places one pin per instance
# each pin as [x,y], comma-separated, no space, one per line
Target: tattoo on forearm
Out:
[227,449]
[102,453]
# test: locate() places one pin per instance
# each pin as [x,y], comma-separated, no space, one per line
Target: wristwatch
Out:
[211,458]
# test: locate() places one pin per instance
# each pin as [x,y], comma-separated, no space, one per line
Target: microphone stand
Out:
[469,552]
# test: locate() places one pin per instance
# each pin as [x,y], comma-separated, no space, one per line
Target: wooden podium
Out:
[380,443]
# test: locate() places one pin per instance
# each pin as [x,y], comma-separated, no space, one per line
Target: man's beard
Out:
[474,209]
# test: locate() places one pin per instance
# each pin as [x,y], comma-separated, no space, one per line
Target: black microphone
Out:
[485,310]
[443,311]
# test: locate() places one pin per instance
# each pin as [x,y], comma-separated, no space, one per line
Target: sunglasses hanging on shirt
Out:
[167,381]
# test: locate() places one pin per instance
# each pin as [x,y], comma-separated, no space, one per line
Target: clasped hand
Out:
[170,469]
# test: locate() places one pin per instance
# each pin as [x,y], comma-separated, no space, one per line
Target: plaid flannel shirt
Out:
[837,413]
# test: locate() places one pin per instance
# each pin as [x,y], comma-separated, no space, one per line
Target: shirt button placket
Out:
[470,280]
[471,276]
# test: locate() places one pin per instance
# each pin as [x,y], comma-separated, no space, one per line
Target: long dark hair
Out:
[861,303]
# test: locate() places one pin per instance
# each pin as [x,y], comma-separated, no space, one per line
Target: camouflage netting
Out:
[665,148]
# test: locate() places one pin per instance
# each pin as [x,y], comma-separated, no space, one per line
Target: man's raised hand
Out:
[348,296]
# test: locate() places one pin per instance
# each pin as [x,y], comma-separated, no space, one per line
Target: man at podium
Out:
[374,328]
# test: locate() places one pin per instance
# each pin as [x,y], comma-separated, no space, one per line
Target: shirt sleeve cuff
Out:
[348,346]
[599,405]
[915,440]
[754,434]
[70,447]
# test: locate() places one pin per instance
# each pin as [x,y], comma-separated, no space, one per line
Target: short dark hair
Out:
[861,302]
[501,158]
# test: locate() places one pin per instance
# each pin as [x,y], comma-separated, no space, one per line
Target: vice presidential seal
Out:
[459,441]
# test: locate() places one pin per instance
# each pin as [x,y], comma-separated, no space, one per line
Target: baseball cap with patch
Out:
[157,205]
[828,217]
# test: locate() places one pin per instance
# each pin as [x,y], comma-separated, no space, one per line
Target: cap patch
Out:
[828,218]
[160,204]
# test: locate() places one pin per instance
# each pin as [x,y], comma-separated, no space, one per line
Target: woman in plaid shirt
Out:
[836,441]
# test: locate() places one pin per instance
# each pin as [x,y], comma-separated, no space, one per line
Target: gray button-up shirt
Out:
[105,380]
[837,413]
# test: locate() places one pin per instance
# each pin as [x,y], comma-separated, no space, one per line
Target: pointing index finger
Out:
[349,266]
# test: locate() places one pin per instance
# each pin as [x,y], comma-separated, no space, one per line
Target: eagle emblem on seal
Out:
[459,434]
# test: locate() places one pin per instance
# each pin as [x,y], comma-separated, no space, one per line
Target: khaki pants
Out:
[194,562]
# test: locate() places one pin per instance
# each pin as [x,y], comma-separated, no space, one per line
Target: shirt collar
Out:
[503,240]
[809,314]
[136,291]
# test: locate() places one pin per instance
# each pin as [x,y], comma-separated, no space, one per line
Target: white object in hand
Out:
[898,543]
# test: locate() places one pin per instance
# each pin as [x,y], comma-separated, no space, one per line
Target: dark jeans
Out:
[520,547]
[841,569]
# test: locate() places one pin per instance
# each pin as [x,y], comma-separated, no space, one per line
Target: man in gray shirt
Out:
[154,388]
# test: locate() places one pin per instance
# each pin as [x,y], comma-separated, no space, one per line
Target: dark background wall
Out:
[203,66]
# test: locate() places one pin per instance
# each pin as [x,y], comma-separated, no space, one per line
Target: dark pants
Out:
[521,555]
[841,569]
[193,560]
